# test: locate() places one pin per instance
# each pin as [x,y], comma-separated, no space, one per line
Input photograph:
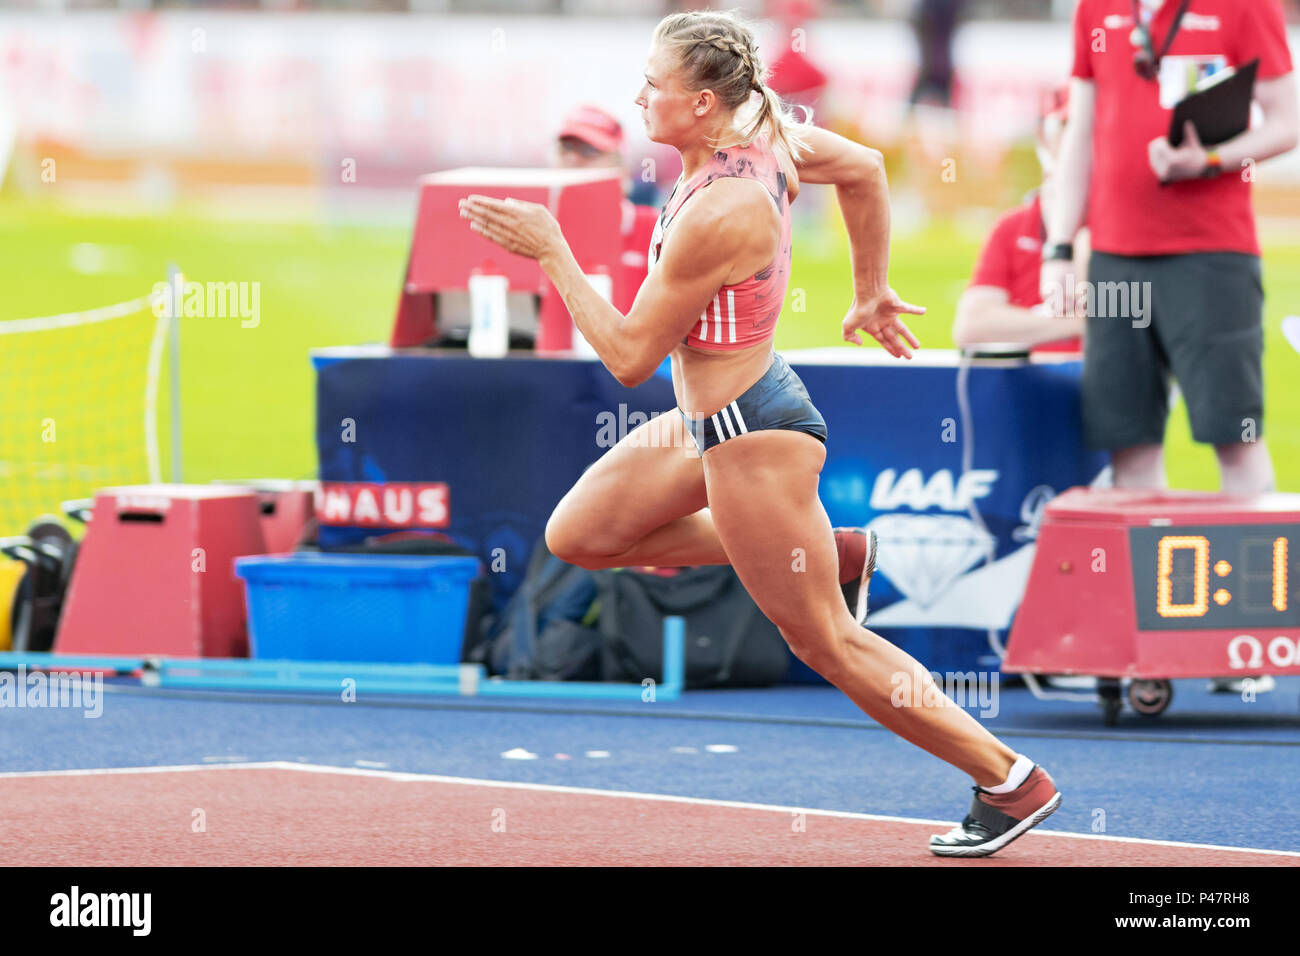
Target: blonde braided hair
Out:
[749,62]
[716,51]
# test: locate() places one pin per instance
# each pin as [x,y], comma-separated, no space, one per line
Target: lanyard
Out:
[1169,38]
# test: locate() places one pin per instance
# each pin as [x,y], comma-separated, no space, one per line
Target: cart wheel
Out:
[1150,698]
[49,528]
[1108,695]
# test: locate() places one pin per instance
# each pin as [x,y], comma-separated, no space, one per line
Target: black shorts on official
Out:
[777,400]
[1195,316]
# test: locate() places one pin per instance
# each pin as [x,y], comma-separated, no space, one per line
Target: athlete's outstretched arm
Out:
[858,174]
[707,237]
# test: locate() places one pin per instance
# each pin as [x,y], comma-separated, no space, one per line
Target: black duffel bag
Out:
[729,642]
[542,632]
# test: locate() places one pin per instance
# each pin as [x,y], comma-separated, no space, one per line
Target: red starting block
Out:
[1156,585]
[155,574]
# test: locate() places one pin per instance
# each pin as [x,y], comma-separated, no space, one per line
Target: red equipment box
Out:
[287,508]
[155,573]
[445,252]
[286,512]
[1158,585]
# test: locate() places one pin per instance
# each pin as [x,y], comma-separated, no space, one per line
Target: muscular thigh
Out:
[652,476]
[762,494]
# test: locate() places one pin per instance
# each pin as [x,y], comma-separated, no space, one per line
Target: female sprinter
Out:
[720,261]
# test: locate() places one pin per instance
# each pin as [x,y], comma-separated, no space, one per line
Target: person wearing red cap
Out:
[590,137]
[1003,304]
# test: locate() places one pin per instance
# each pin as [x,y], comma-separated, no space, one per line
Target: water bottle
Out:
[489,331]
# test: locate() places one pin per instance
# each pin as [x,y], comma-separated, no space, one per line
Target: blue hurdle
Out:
[366,677]
[45,661]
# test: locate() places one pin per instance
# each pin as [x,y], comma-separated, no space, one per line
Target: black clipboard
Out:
[1220,112]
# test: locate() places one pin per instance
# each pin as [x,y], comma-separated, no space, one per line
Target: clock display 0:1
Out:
[1216,576]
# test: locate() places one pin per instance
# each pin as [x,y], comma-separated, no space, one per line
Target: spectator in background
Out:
[591,137]
[1172,226]
[794,75]
[935,22]
[1003,303]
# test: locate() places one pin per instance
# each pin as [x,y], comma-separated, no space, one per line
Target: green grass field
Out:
[248,393]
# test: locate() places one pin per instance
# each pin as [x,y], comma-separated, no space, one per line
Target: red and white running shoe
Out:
[857,553]
[995,819]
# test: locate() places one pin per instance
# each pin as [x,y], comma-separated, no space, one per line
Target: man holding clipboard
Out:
[1172,226]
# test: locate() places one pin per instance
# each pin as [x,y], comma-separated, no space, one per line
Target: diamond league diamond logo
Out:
[923,554]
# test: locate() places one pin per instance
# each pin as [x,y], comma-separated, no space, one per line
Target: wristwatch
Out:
[1058,250]
[1213,165]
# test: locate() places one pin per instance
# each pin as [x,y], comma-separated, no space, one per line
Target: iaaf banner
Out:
[371,504]
[950,463]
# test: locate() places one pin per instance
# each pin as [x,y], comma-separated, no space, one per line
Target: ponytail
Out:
[775,120]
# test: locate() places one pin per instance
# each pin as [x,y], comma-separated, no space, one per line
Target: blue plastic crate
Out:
[357,607]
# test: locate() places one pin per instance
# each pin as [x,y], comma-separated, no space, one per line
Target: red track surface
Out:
[270,816]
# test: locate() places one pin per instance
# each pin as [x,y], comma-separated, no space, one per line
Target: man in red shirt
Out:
[1174,276]
[592,137]
[1003,303]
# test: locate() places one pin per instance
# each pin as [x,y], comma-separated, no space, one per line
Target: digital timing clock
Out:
[1151,586]
[1234,576]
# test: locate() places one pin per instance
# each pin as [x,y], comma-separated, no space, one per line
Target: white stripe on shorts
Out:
[726,420]
[717,429]
[739,421]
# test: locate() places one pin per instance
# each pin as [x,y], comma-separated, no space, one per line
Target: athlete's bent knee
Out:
[563,543]
[569,543]
[819,648]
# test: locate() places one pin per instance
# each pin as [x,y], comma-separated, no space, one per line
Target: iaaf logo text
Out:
[892,491]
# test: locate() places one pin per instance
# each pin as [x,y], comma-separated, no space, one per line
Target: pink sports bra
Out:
[743,314]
